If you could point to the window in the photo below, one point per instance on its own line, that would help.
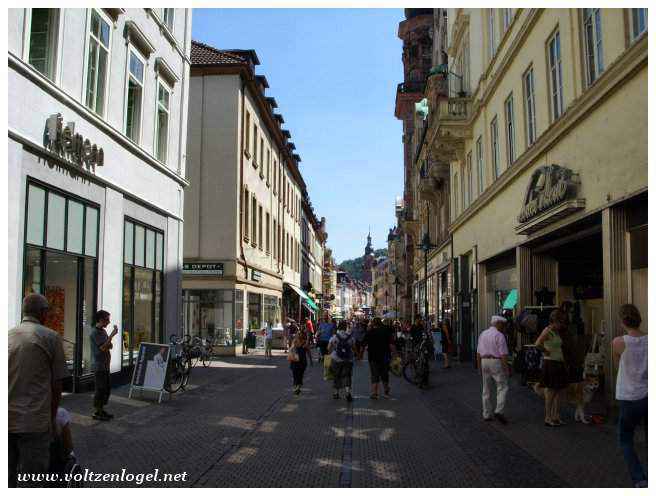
(254, 220)
(134, 96)
(168, 18)
(97, 63)
(208, 313)
(507, 18)
(260, 241)
(638, 22)
(43, 41)
(244, 212)
(275, 177)
(162, 122)
(469, 191)
(455, 195)
(593, 48)
(254, 145)
(555, 76)
(463, 198)
(510, 129)
(143, 266)
(61, 244)
(247, 144)
(494, 140)
(491, 33)
(268, 167)
(529, 106)
(275, 239)
(261, 158)
(268, 233)
(479, 164)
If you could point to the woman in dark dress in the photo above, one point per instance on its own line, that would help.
(447, 345)
(301, 346)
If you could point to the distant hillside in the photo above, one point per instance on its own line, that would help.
(354, 266)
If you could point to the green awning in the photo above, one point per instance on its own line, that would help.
(511, 300)
(312, 304)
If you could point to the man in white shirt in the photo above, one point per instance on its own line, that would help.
(492, 357)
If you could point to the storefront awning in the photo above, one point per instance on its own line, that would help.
(312, 305)
(298, 291)
(309, 302)
(511, 300)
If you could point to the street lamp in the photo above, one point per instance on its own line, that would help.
(386, 301)
(426, 246)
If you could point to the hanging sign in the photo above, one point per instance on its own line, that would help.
(256, 275)
(64, 141)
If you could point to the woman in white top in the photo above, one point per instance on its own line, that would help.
(630, 351)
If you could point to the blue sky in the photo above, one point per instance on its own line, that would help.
(333, 73)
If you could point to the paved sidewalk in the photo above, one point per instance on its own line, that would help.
(239, 425)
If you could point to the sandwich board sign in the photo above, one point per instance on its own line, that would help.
(149, 372)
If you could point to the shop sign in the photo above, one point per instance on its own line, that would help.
(256, 275)
(65, 142)
(202, 269)
(549, 186)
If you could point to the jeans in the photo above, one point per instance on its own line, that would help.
(342, 372)
(103, 388)
(632, 413)
(31, 453)
(492, 370)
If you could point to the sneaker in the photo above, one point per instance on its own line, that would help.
(373, 396)
(501, 418)
(386, 395)
(488, 419)
(349, 398)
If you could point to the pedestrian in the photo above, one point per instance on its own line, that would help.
(299, 350)
(342, 348)
(492, 358)
(268, 339)
(101, 344)
(36, 368)
(325, 332)
(630, 355)
(554, 373)
(447, 344)
(359, 333)
(379, 342)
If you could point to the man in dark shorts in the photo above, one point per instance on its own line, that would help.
(100, 344)
(379, 342)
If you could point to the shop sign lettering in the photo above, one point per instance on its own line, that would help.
(64, 141)
(256, 275)
(549, 186)
(202, 269)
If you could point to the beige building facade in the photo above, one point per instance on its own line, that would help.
(545, 134)
(242, 244)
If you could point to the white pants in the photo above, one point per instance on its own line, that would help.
(492, 370)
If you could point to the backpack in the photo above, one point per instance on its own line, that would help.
(344, 350)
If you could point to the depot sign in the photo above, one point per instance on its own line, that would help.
(65, 142)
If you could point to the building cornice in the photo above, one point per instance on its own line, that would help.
(49, 87)
(624, 68)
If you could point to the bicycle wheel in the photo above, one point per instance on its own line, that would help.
(186, 372)
(175, 377)
(409, 372)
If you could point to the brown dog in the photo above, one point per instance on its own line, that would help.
(578, 393)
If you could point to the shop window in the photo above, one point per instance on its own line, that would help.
(208, 313)
(97, 62)
(142, 288)
(239, 316)
(43, 41)
(59, 266)
(254, 311)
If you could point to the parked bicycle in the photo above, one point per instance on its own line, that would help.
(179, 367)
(417, 358)
(202, 350)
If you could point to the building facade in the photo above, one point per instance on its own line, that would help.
(97, 141)
(244, 208)
(543, 125)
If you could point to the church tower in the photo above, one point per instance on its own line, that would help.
(368, 261)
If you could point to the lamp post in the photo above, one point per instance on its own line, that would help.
(386, 301)
(426, 246)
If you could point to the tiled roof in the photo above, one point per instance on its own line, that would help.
(202, 54)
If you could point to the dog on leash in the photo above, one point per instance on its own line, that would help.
(578, 393)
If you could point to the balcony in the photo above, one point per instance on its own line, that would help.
(452, 128)
(431, 180)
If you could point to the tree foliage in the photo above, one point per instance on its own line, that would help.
(354, 266)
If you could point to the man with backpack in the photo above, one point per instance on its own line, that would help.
(341, 347)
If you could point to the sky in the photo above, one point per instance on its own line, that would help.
(333, 73)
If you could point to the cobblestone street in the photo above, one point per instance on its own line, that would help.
(238, 425)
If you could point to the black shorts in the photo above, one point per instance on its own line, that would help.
(379, 371)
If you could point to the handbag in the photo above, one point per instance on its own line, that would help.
(396, 366)
(327, 370)
(594, 361)
(292, 355)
